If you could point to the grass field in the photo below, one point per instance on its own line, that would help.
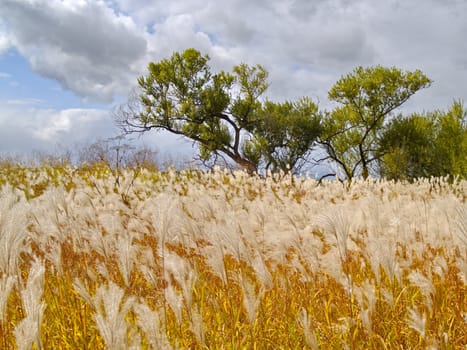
(92, 259)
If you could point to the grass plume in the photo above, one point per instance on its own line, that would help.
(196, 260)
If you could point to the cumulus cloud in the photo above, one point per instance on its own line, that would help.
(431, 41)
(4, 43)
(43, 129)
(98, 48)
(176, 33)
(57, 131)
(84, 45)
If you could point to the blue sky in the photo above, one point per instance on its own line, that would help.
(32, 101)
(20, 85)
(65, 64)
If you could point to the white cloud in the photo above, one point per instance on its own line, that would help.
(177, 33)
(424, 35)
(84, 45)
(25, 129)
(25, 101)
(57, 131)
(5, 43)
(98, 48)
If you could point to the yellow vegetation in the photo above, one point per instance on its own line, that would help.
(198, 260)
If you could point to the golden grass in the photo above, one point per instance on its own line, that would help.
(216, 261)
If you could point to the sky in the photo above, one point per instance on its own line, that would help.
(66, 64)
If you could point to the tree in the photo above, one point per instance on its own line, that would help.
(117, 154)
(425, 145)
(223, 113)
(406, 147)
(368, 97)
(284, 134)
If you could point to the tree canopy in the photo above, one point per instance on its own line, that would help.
(425, 145)
(229, 117)
(367, 97)
(225, 113)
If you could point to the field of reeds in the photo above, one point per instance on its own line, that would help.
(92, 259)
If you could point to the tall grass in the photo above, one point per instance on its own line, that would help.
(181, 260)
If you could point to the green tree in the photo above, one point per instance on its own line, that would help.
(406, 147)
(368, 97)
(284, 134)
(224, 113)
(425, 145)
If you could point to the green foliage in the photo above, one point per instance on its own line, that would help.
(224, 113)
(368, 97)
(425, 145)
(285, 132)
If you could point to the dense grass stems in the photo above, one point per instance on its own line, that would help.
(219, 260)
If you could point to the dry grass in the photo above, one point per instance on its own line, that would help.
(218, 261)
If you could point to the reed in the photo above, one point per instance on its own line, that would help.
(197, 260)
